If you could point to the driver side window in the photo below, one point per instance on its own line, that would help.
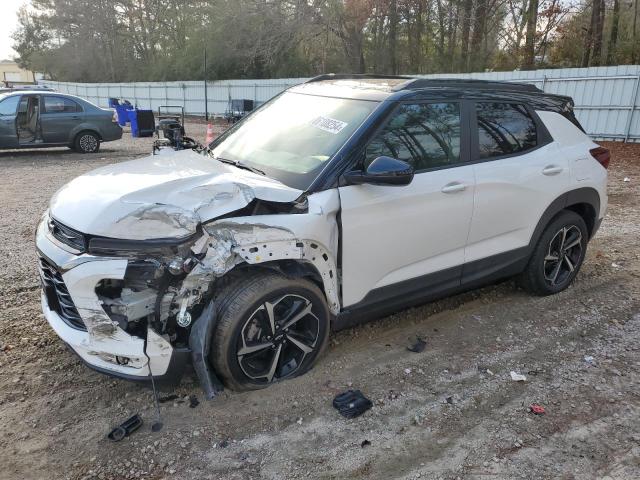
(425, 135)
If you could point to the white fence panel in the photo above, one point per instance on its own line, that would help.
(606, 99)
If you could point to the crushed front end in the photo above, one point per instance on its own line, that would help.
(120, 305)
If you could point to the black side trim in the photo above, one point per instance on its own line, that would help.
(496, 267)
(392, 298)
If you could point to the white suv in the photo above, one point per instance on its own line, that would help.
(343, 198)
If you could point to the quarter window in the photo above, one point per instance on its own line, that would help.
(426, 135)
(504, 129)
(60, 105)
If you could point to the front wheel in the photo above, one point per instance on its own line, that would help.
(558, 256)
(270, 328)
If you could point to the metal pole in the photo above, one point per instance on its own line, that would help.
(206, 96)
(634, 96)
(544, 81)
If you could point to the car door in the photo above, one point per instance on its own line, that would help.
(519, 172)
(8, 133)
(59, 116)
(408, 239)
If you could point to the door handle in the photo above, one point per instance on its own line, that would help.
(551, 170)
(453, 187)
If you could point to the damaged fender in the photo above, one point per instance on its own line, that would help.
(310, 237)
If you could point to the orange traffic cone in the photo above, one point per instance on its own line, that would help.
(209, 134)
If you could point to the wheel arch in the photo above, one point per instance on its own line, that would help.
(583, 201)
(84, 129)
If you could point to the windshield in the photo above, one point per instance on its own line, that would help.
(293, 137)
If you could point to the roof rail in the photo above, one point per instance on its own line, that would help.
(474, 84)
(356, 76)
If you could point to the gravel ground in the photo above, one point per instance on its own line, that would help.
(452, 411)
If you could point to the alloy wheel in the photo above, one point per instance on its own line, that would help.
(563, 255)
(277, 337)
(88, 143)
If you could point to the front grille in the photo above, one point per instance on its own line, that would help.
(67, 235)
(58, 296)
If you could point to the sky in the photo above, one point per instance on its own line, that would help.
(8, 23)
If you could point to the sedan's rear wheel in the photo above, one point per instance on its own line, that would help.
(87, 142)
(270, 328)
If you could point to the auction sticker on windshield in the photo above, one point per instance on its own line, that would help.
(327, 124)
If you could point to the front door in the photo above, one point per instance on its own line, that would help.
(8, 109)
(414, 234)
(59, 117)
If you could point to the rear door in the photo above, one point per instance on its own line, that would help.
(8, 133)
(519, 171)
(403, 240)
(59, 116)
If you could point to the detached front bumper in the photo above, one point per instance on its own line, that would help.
(72, 308)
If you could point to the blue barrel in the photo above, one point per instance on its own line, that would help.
(123, 116)
(133, 118)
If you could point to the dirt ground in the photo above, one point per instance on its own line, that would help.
(436, 414)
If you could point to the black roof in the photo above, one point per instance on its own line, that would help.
(396, 83)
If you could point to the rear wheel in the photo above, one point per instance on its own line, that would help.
(558, 255)
(86, 142)
(270, 328)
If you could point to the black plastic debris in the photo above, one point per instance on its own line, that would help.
(125, 429)
(351, 403)
(168, 398)
(365, 443)
(193, 401)
(418, 346)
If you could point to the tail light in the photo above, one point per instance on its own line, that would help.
(602, 155)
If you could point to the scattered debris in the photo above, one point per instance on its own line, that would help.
(483, 369)
(193, 401)
(168, 398)
(418, 346)
(125, 429)
(223, 444)
(365, 443)
(537, 409)
(626, 179)
(589, 359)
(517, 377)
(299, 421)
(615, 265)
(407, 371)
(351, 403)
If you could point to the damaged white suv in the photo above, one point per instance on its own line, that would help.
(343, 198)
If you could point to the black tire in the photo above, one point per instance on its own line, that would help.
(552, 266)
(86, 142)
(244, 324)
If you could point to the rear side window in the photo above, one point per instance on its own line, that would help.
(425, 135)
(60, 105)
(9, 105)
(504, 129)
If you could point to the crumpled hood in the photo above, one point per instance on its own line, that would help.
(160, 196)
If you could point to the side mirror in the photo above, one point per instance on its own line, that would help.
(382, 171)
